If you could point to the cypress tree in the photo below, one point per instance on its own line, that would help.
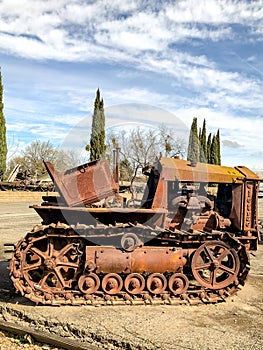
(3, 144)
(102, 132)
(209, 144)
(202, 149)
(193, 144)
(199, 139)
(218, 148)
(214, 151)
(203, 144)
(97, 139)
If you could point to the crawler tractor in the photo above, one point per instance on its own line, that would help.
(187, 241)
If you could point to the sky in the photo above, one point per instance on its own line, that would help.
(186, 58)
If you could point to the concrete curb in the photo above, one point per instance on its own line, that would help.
(20, 196)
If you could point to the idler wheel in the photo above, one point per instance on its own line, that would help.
(134, 283)
(89, 284)
(215, 265)
(178, 283)
(112, 283)
(156, 283)
(130, 241)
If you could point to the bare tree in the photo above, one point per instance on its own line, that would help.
(140, 146)
(31, 158)
(34, 154)
(137, 149)
(171, 145)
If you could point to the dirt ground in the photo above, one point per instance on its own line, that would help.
(235, 324)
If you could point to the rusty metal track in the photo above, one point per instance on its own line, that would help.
(70, 296)
(44, 337)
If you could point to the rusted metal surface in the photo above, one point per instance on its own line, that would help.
(215, 265)
(248, 173)
(250, 202)
(181, 170)
(107, 216)
(86, 184)
(141, 260)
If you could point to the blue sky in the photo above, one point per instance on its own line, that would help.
(190, 58)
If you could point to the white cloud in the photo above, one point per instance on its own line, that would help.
(75, 27)
(215, 12)
(201, 73)
(136, 95)
(169, 39)
(129, 33)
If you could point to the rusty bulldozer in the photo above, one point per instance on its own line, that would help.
(187, 242)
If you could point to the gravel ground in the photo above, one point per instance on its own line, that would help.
(235, 324)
